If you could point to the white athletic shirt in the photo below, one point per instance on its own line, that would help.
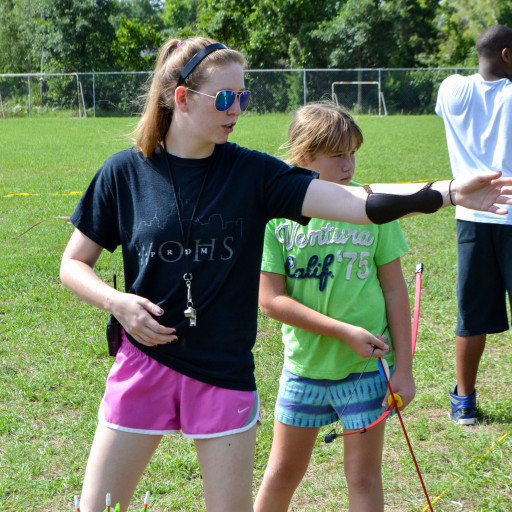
(477, 116)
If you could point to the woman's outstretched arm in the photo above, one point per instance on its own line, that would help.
(389, 201)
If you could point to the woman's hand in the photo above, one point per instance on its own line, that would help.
(136, 314)
(483, 192)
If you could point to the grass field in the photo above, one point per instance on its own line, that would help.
(53, 354)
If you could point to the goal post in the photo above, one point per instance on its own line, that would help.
(41, 91)
(355, 96)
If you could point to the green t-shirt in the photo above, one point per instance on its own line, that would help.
(332, 268)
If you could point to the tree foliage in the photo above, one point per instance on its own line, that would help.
(103, 35)
(13, 46)
(371, 33)
(270, 33)
(461, 22)
(179, 17)
(148, 12)
(136, 45)
(61, 35)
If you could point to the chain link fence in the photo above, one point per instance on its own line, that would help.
(363, 91)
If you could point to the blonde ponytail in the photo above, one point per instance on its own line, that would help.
(159, 100)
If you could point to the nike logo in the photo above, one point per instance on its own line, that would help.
(242, 410)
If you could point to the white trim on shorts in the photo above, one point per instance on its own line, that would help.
(102, 421)
(254, 418)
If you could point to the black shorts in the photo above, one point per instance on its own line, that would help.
(484, 255)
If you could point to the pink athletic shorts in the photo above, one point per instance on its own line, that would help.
(145, 396)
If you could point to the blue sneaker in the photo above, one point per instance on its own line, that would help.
(463, 408)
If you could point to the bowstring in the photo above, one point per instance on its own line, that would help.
(356, 384)
(332, 434)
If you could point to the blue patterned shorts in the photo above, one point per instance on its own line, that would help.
(304, 402)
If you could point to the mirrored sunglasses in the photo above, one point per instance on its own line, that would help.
(225, 99)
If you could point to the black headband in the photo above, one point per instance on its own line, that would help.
(197, 58)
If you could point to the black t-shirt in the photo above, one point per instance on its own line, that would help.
(130, 202)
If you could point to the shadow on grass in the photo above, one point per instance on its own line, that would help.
(498, 415)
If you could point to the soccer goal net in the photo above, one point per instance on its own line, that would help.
(360, 97)
(39, 93)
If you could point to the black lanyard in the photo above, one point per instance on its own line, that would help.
(189, 312)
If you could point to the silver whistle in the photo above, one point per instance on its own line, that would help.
(191, 314)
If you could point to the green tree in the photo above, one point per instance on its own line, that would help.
(146, 11)
(359, 36)
(270, 33)
(373, 33)
(414, 32)
(136, 45)
(180, 17)
(66, 35)
(226, 21)
(86, 34)
(460, 24)
(13, 48)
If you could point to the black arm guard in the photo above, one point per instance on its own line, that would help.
(382, 208)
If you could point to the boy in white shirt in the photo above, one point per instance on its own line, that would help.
(477, 113)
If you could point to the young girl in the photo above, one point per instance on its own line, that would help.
(331, 319)
(189, 211)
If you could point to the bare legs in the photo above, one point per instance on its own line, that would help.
(118, 459)
(227, 467)
(289, 459)
(362, 461)
(116, 463)
(468, 352)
